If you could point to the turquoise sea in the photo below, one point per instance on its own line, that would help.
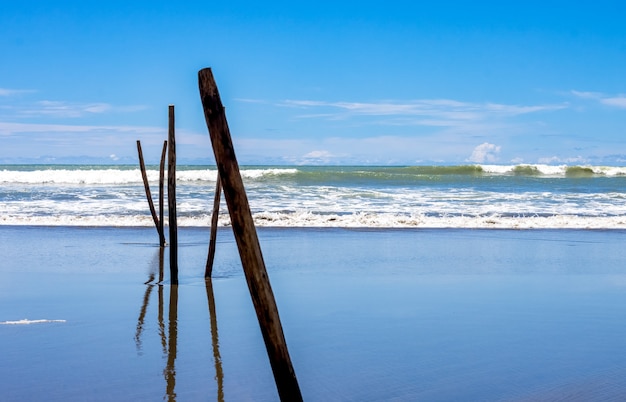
(469, 196)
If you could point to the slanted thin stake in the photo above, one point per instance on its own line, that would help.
(146, 185)
(247, 240)
(214, 219)
(161, 182)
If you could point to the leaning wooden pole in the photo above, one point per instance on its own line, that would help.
(171, 198)
(214, 220)
(146, 186)
(247, 239)
(161, 182)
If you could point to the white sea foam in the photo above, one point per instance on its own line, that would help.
(28, 322)
(359, 220)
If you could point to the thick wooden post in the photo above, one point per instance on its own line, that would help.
(171, 198)
(146, 186)
(214, 220)
(247, 239)
(161, 182)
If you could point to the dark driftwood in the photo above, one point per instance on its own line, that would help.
(146, 186)
(247, 240)
(214, 219)
(161, 182)
(171, 198)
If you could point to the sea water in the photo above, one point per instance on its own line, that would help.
(470, 196)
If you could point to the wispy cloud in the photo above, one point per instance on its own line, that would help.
(11, 92)
(10, 128)
(618, 101)
(438, 112)
(60, 109)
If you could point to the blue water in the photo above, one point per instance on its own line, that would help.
(368, 315)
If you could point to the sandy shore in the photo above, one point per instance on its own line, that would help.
(369, 315)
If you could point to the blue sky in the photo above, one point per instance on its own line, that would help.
(316, 82)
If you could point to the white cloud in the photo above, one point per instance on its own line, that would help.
(618, 101)
(485, 152)
(556, 159)
(319, 157)
(319, 154)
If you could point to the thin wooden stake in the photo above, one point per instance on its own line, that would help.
(161, 182)
(146, 186)
(214, 220)
(247, 239)
(171, 198)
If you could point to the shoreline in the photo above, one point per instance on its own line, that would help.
(267, 220)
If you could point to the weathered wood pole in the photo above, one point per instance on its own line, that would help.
(214, 219)
(247, 239)
(161, 182)
(146, 186)
(171, 198)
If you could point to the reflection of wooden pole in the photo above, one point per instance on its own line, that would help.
(146, 186)
(219, 373)
(214, 219)
(171, 198)
(160, 312)
(161, 182)
(247, 239)
(170, 369)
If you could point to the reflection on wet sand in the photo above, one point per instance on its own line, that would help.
(219, 374)
(170, 369)
(169, 340)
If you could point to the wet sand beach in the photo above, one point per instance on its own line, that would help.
(369, 315)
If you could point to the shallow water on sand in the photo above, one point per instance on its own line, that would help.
(369, 315)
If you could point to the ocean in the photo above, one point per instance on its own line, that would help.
(385, 290)
(469, 196)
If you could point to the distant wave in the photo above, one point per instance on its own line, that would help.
(117, 176)
(551, 170)
(103, 175)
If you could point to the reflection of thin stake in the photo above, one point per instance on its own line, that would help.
(214, 219)
(247, 239)
(219, 373)
(142, 313)
(160, 313)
